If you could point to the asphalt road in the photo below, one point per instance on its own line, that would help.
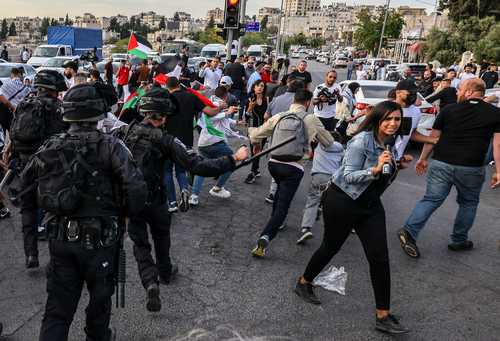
(442, 296)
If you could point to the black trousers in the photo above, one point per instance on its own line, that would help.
(29, 216)
(288, 179)
(342, 214)
(70, 266)
(157, 218)
(329, 123)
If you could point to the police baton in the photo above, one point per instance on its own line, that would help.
(6, 179)
(265, 152)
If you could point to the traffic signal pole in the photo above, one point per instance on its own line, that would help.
(243, 21)
(230, 34)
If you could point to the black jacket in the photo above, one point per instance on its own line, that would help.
(446, 96)
(117, 188)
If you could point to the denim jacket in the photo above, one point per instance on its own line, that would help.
(361, 155)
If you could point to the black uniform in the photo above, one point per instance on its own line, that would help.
(83, 242)
(151, 147)
(23, 148)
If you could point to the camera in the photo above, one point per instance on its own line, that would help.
(331, 97)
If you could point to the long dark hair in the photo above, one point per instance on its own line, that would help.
(254, 85)
(379, 114)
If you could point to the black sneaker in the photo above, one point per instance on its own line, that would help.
(257, 174)
(166, 280)
(305, 235)
(1, 328)
(390, 324)
(32, 262)
(250, 178)
(306, 292)
(4, 213)
(270, 198)
(464, 246)
(408, 244)
(153, 303)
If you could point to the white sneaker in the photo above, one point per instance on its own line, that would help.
(193, 200)
(220, 192)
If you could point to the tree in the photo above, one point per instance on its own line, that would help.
(4, 30)
(264, 22)
(254, 38)
(316, 42)
(53, 22)
(162, 26)
(489, 47)
(114, 26)
(12, 30)
(44, 26)
(369, 29)
(67, 21)
(120, 46)
(459, 9)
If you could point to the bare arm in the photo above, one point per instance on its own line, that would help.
(7, 103)
(422, 162)
(496, 157)
(417, 137)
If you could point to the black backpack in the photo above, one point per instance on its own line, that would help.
(64, 173)
(29, 126)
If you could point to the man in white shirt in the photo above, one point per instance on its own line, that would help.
(13, 90)
(211, 75)
(406, 95)
(70, 71)
(25, 56)
(360, 73)
(452, 75)
(324, 106)
(467, 74)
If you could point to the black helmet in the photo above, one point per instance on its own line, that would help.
(84, 103)
(51, 80)
(158, 101)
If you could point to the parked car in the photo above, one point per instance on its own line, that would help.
(372, 92)
(295, 55)
(57, 63)
(28, 71)
(417, 69)
(118, 57)
(2, 60)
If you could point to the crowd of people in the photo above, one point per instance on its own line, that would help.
(81, 153)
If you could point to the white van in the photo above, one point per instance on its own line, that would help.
(213, 50)
(259, 51)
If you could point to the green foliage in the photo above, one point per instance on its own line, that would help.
(44, 26)
(67, 21)
(369, 29)
(254, 38)
(211, 23)
(459, 9)
(120, 46)
(317, 42)
(12, 30)
(4, 30)
(209, 36)
(482, 36)
(114, 26)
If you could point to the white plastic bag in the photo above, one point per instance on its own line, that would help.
(332, 279)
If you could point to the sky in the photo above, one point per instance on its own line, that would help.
(198, 8)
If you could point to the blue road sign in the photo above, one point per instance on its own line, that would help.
(252, 26)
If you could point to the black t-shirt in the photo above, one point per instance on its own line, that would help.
(237, 72)
(181, 125)
(490, 78)
(446, 96)
(466, 132)
(302, 76)
(258, 112)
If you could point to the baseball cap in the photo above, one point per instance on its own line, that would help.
(226, 80)
(406, 84)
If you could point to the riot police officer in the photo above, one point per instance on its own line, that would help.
(151, 147)
(84, 180)
(36, 118)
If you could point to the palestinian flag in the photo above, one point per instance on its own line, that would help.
(133, 99)
(138, 46)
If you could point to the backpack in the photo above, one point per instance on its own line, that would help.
(290, 124)
(64, 173)
(29, 124)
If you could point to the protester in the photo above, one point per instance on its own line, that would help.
(255, 76)
(425, 85)
(272, 86)
(353, 201)
(237, 73)
(350, 67)
(283, 164)
(4, 54)
(122, 75)
(212, 144)
(467, 73)
(256, 108)
(452, 76)
(361, 73)
(265, 74)
(302, 74)
(12, 92)
(446, 94)
(210, 74)
(143, 71)
(250, 67)
(345, 109)
(70, 71)
(490, 77)
(108, 72)
(464, 132)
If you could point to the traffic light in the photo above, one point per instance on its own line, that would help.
(232, 14)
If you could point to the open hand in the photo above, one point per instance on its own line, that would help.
(495, 180)
(241, 154)
(421, 166)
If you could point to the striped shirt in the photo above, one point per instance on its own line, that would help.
(11, 87)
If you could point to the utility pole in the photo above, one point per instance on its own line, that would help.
(242, 21)
(383, 28)
(278, 35)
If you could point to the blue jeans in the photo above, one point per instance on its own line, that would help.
(349, 74)
(213, 151)
(442, 176)
(168, 180)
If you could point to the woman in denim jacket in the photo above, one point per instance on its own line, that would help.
(353, 201)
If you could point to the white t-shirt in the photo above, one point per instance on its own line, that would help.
(326, 111)
(212, 78)
(466, 76)
(415, 114)
(360, 75)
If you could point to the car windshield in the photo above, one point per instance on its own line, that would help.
(376, 91)
(55, 62)
(45, 51)
(208, 53)
(5, 70)
(254, 53)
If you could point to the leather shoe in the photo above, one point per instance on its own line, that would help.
(32, 262)
(153, 303)
(464, 246)
(306, 292)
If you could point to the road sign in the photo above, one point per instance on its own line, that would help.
(252, 26)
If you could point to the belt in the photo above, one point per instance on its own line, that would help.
(90, 232)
